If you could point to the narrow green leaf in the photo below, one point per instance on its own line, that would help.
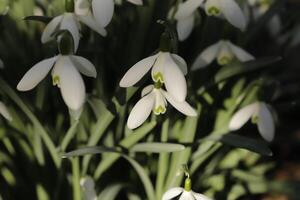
(157, 147)
(90, 150)
(43, 19)
(69, 136)
(111, 192)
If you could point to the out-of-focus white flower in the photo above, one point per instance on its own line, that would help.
(184, 195)
(65, 75)
(260, 114)
(88, 187)
(4, 112)
(166, 68)
(155, 99)
(224, 51)
(219, 8)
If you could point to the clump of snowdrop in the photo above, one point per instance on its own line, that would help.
(88, 187)
(4, 112)
(260, 114)
(228, 9)
(224, 51)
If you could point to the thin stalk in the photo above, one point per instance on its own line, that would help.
(76, 179)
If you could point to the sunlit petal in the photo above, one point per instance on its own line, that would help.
(36, 74)
(233, 13)
(187, 196)
(103, 11)
(51, 28)
(4, 112)
(180, 63)
(137, 71)
(141, 111)
(171, 193)
(187, 8)
(240, 53)
(242, 116)
(90, 21)
(206, 57)
(185, 27)
(265, 123)
(147, 90)
(84, 66)
(70, 23)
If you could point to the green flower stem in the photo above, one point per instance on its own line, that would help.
(76, 179)
(69, 136)
(162, 163)
(44, 135)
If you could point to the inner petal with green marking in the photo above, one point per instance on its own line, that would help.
(56, 80)
(158, 77)
(159, 110)
(254, 119)
(224, 60)
(213, 11)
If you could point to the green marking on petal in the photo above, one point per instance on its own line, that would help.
(188, 184)
(213, 11)
(254, 119)
(56, 80)
(158, 77)
(224, 60)
(159, 110)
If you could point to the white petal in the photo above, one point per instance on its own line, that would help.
(187, 8)
(103, 11)
(84, 66)
(4, 112)
(75, 114)
(213, 7)
(199, 196)
(137, 71)
(70, 23)
(185, 27)
(147, 90)
(175, 82)
(136, 2)
(225, 54)
(158, 67)
(82, 7)
(37, 73)
(88, 187)
(187, 196)
(240, 53)
(242, 116)
(182, 107)
(51, 28)
(90, 21)
(265, 123)
(206, 57)
(180, 62)
(141, 111)
(70, 81)
(233, 13)
(171, 193)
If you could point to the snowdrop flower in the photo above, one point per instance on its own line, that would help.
(88, 186)
(155, 99)
(166, 68)
(65, 75)
(4, 112)
(185, 193)
(219, 8)
(224, 51)
(260, 114)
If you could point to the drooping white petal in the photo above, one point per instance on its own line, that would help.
(136, 2)
(90, 21)
(137, 71)
(51, 28)
(160, 102)
(175, 82)
(187, 196)
(82, 7)
(225, 54)
(180, 62)
(171, 193)
(75, 114)
(206, 57)
(233, 13)
(70, 82)
(103, 11)
(242, 116)
(88, 186)
(70, 23)
(240, 53)
(141, 111)
(212, 7)
(182, 107)
(4, 112)
(147, 90)
(265, 123)
(199, 196)
(36, 74)
(84, 66)
(158, 67)
(187, 8)
(185, 27)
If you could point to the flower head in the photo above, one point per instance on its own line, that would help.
(155, 99)
(4, 112)
(88, 186)
(224, 51)
(166, 68)
(65, 75)
(260, 114)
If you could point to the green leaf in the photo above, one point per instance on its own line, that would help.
(157, 147)
(43, 19)
(111, 192)
(68, 137)
(257, 146)
(90, 150)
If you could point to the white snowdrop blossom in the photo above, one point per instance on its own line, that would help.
(66, 71)
(155, 99)
(224, 51)
(167, 68)
(88, 187)
(227, 9)
(4, 112)
(260, 114)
